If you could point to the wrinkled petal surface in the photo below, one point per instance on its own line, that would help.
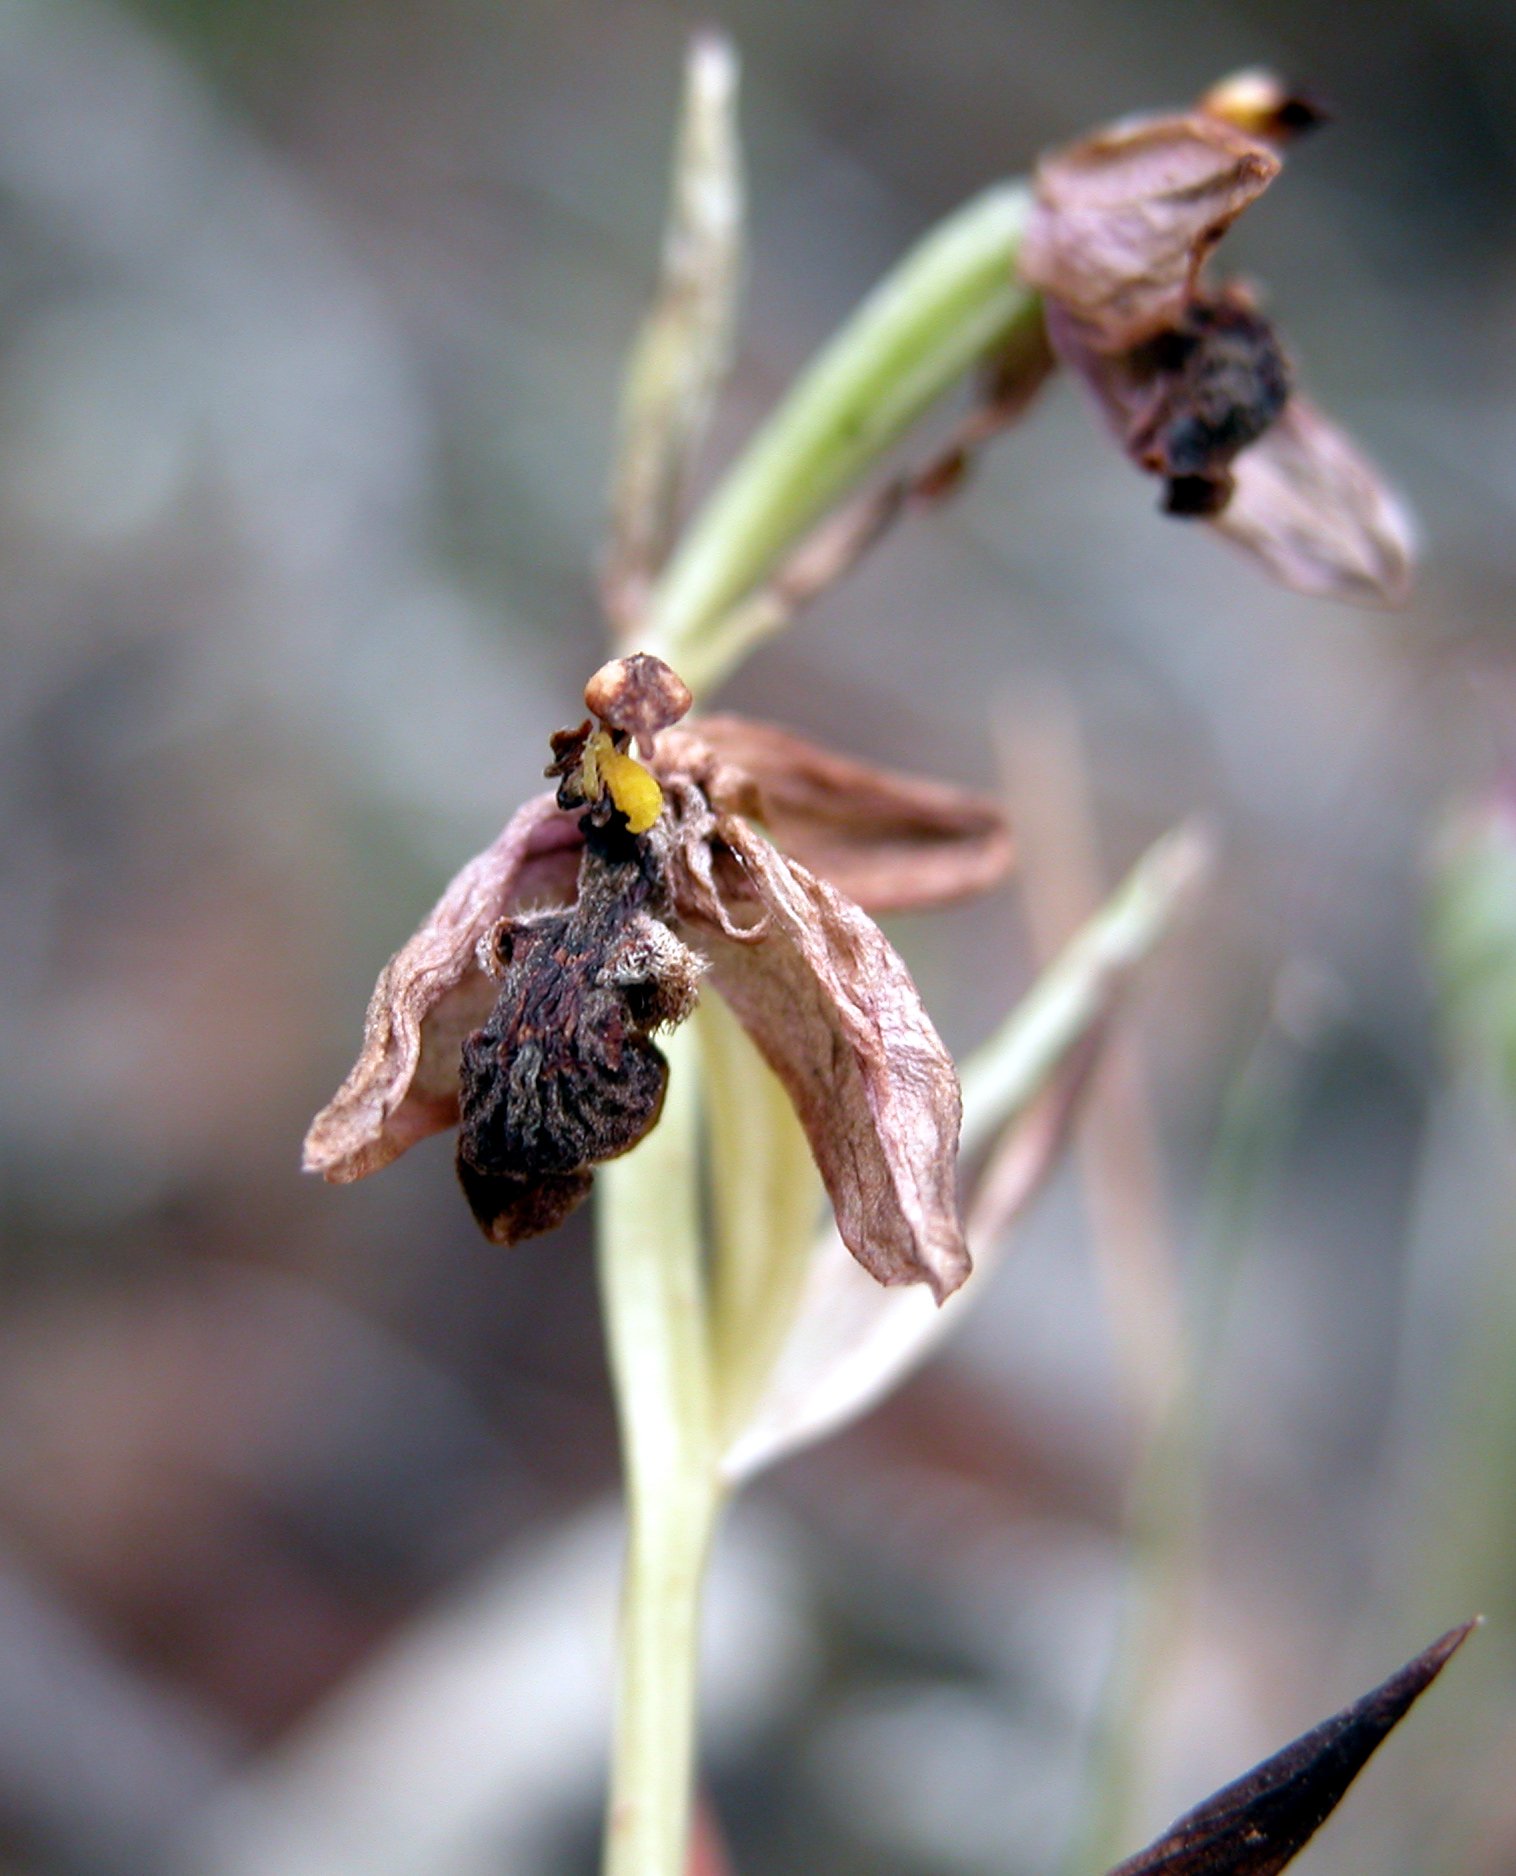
(1124, 218)
(432, 993)
(890, 842)
(1316, 513)
(833, 1011)
(1121, 387)
(849, 1342)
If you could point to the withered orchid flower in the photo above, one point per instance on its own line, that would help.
(524, 1008)
(1190, 375)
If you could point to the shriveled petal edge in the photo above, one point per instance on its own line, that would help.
(890, 841)
(833, 1010)
(849, 1343)
(1123, 220)
(1309, 505)
(404, 1084)
(1109, 377)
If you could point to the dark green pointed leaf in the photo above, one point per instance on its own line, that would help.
(1259, 1824)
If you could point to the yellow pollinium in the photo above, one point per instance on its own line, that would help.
(633, 790)
(606, 770)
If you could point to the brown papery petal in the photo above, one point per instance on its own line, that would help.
(833, 1011)
(1317, 514)
(404, 1084)
(1120, 383)
(1123, 220)
(849, 1342)
(890, 842)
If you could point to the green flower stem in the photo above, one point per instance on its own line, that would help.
(766, 1200)
(953, 299)
(653, 1299)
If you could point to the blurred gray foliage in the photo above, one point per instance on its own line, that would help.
(308, 363)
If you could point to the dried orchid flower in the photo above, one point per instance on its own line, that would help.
(1189, 373)
(525, 1008)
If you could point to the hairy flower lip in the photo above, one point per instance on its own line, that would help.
(1121, 228)
(824, 996)
(404, 1085)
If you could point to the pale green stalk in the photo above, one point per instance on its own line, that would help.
(766, 1197)
(652, 1290)
(952, 301)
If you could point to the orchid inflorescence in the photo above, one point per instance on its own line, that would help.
(679, 856)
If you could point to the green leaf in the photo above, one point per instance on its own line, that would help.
(954, 300)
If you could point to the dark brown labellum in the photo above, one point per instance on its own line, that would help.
(1219, 380)
(564, 1074)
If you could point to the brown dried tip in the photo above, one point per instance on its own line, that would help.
(1261, 1823)
(1262, 105)
(639, 696)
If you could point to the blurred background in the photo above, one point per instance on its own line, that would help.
(311, 326)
